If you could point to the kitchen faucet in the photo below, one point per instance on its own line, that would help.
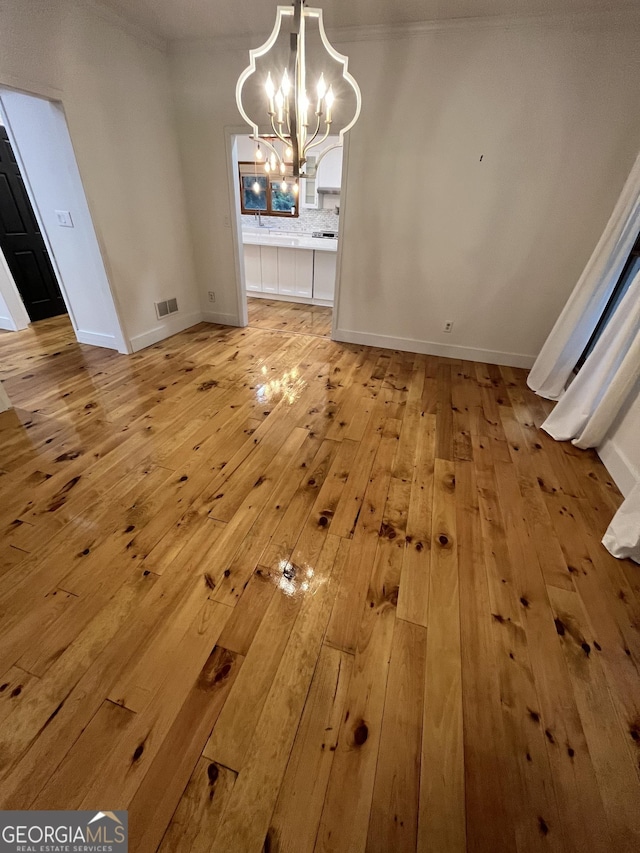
(258, 218)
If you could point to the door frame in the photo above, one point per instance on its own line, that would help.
(6, 268)
(235, 215)
(231, 132)
(18, 315)
(123, 344)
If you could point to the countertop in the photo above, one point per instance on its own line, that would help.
(287, 240)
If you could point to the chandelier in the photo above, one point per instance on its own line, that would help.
(288, 119)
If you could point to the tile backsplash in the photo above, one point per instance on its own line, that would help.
(308, 221)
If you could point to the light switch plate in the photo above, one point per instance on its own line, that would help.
(64, 218)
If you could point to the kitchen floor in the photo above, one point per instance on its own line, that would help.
(272, 592)
(292, 317)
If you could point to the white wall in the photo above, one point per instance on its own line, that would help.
(620, 450)
(431, 232)
(115, 91)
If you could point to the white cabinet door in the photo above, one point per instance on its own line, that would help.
(330, 169)
(269, 265)
(286, 272)
(324, 275)
(304, 272)
(252, 268)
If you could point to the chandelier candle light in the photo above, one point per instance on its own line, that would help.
(292, 119)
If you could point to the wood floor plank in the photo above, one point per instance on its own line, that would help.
(342, 632)
(441, 822)
(61, 703)
(612, 751)
(132, 756)
(413, 597)
(231, 737)
(65, 789)
(487, 762)
(274, 592)
(156, 799)
(197, 818)
(583, 819)
(345, 816)
(296, 817)
(393, 822)
(256, 788)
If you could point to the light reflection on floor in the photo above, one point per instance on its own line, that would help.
(294, 580)
(289, 386)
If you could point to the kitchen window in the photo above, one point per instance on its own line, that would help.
(271, 199)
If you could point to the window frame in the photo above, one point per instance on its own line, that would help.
(258, 173)
(612, 303)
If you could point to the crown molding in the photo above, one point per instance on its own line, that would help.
(135, 30)
(391, 32)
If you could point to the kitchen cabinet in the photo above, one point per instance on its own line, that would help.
(324, 275)
(269, 264)
(252, 268)
(290, 273)
(330, 170)
(295, 272)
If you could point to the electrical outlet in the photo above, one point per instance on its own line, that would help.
(227, 221)
(448, 326)
(212, 296)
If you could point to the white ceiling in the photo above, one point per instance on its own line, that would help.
(177, 19)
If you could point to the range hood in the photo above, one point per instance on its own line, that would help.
(328, 190)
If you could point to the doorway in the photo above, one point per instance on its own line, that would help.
(288, 241)
(36, 127)
(22, 243)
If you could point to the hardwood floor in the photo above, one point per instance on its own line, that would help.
(274, 593)
(289, 317)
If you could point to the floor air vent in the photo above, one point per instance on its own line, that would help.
(169, 306)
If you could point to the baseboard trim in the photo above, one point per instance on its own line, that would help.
(96, 339)
(299, 300)
(508, 359)
(7, 324)
(220, 319)
(624, 475)
(172, 326)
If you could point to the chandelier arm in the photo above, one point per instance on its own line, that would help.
(308, 143)
(278, 134)
(321, 140)
(324, 153)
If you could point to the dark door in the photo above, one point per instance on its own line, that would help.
(22, 242)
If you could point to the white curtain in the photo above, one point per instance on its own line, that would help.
(591, 403)
(622, 538)
(586, 304)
